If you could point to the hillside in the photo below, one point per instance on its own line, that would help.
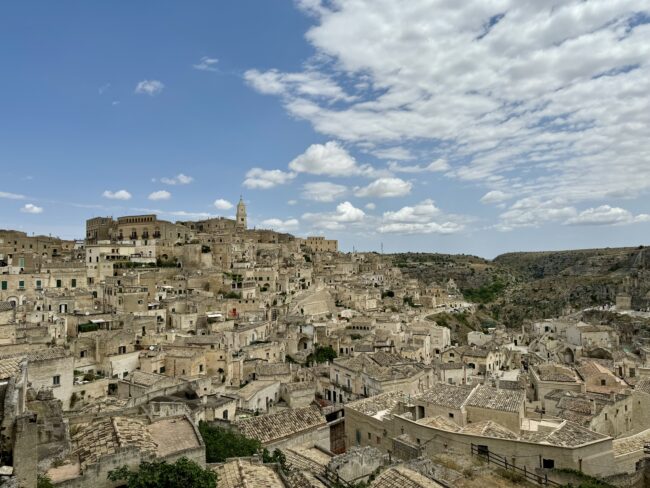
(518, 286)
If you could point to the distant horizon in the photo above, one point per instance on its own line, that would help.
(359, 250)
(486, 128)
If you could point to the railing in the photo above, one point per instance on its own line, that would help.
(484, 453)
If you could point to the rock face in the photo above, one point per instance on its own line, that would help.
(518, 286)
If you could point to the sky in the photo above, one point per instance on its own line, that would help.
(480, 127)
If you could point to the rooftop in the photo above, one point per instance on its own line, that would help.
(243, 473)
(446, 395)
(496, 399)
(270, 428)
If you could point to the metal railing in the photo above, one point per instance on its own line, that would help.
(491, 457)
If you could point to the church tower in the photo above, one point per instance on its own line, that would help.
(241, 214)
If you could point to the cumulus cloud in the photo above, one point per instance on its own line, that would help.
(280, 225)
(534, 211)
(422, 212)
(160, 195)
(149, 87)
(117, 195)
(179, 179)
(439, 165)
(267, 178)
(345, 213)
(323, 191)
(422, 218)
(32, 209)
(11, 196)
(606, 215)
(222, 204)
(206, 63)
(329, 159)
(512, 94)
(371, 206)
(385, 188)
(494, 196)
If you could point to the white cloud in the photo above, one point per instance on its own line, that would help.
(206, 63)
(422, 218)
(385, 188)
(345, 213)
(323, 191)
(513, 94)
(222, 204)
(292, 202)
(329, 159)
(11, 196)
(371, 206)
(606, 215)
(266, 178)
(102, 89)
(421, 228)
(439, 165)
(534, 211)
(149, 87)
(494, 196)
(32, 209)
(422, 212)
(310, 84)
(160, 195)
(280, 225)
(117, 195)
(397, 153)
(179, 179)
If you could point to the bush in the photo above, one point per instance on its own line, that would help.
(277, 457)
(221, 443)
(160, 474)
(44, 482)
(322, 354)
(511, 475)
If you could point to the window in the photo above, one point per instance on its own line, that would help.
(74, 283)
(39, 284)
(58, 283)
(83, 354)
(602, 382)
(4, 285)
(56, 380)
(225, 414)
(200, 368)
(369, 436)
(451, 415)
(21, 262)
(548, 463)
(161, 370)
(121, 350)
(21, 285)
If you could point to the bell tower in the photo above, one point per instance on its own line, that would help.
(241, 214)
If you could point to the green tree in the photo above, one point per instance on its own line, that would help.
(277, 457)
(221, 443)
(322, 354)
(160, 474)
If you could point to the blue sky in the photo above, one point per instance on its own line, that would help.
(481, 128)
